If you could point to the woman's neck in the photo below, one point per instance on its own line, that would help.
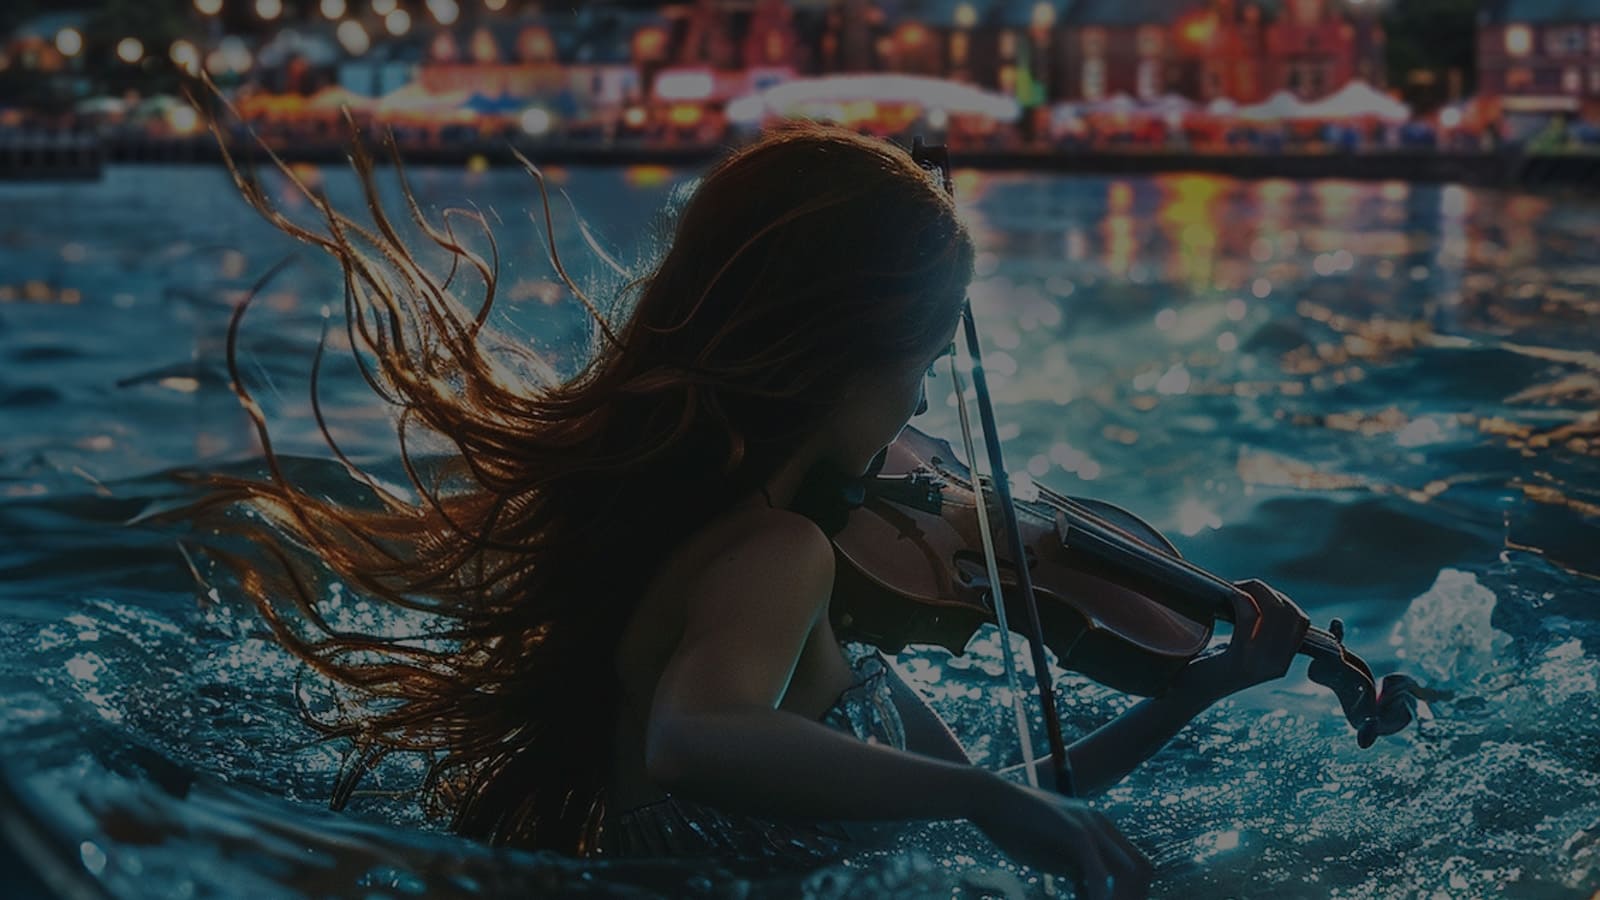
(784, 484)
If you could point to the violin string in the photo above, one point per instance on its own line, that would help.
(1318, 639)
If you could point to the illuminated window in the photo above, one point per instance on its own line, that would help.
(1149, 85)
(1044, 15)
(1150, 39)
(1519, 40)
(958, 48)
(1519, 79)
(1008, 45)
(1571, 80)
(1094, 42)
(534, 45)
(444, 47)
(1094, 79)
(484, 48)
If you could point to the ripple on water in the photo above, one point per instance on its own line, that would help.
(1381, 425)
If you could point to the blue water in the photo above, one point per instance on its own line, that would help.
(1380, 397)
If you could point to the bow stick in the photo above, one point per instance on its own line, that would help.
(937, 158)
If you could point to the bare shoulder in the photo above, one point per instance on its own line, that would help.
(749, 610)
(782, 553)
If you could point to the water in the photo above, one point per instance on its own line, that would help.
(1379, 397)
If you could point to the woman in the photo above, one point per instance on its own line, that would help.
(633, 573)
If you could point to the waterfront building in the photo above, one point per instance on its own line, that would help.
(580, 66)
(1540, 57)
(849, 36)
(41, 60)
(706, 36)
(770, 38)
(1243, 50)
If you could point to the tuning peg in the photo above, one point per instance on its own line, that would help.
(1396, 706)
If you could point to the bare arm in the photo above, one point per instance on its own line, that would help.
(1267, 633)
(715, 733)
(1106, 755)
(926, 731)
(1100, 759)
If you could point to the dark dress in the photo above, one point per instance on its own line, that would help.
(677, 827)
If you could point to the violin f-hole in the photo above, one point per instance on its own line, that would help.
(973, 570)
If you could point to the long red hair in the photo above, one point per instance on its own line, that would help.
(796, 261)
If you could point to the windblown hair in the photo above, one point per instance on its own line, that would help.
(800, 260)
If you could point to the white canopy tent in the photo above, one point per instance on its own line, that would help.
(931, 94)
(1281, 105)
(1357, 100)
(414, 99)
(1170, 104)
(1116, 104)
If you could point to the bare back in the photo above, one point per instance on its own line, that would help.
(655, 628)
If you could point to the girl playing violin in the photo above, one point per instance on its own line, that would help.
(637, 657)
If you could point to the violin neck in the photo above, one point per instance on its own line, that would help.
(1320, 643)
(1084, 532)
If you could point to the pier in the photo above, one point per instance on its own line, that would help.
(39, 156)
(63, 156)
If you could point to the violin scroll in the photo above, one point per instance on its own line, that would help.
(1119, 603)
(1373, 708)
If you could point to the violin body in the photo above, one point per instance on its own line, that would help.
(1101, 588)
(1115, 599)
(932, 552)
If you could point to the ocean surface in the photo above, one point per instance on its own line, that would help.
(1382, 398)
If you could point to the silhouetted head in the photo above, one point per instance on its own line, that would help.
(811, 278)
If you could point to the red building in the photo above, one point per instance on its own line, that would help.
(1313, 48)
(1540, 56)
(770, 38)
(1204, 49)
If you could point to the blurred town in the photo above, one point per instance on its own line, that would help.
(1039, 79)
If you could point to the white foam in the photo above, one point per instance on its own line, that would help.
(1446, 634)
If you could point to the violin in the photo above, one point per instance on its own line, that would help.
(1115, 599)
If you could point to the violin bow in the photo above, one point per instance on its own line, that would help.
(937, 159)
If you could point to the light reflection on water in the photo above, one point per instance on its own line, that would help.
(1380, 397)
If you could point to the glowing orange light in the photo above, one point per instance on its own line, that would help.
(534, 44)
(1120, 197)
(646, 176)
(913, 34)
(1199, 30)
(649, 43)
(685, 114)
(444, 47)
(1519, 40)
(484, 49)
